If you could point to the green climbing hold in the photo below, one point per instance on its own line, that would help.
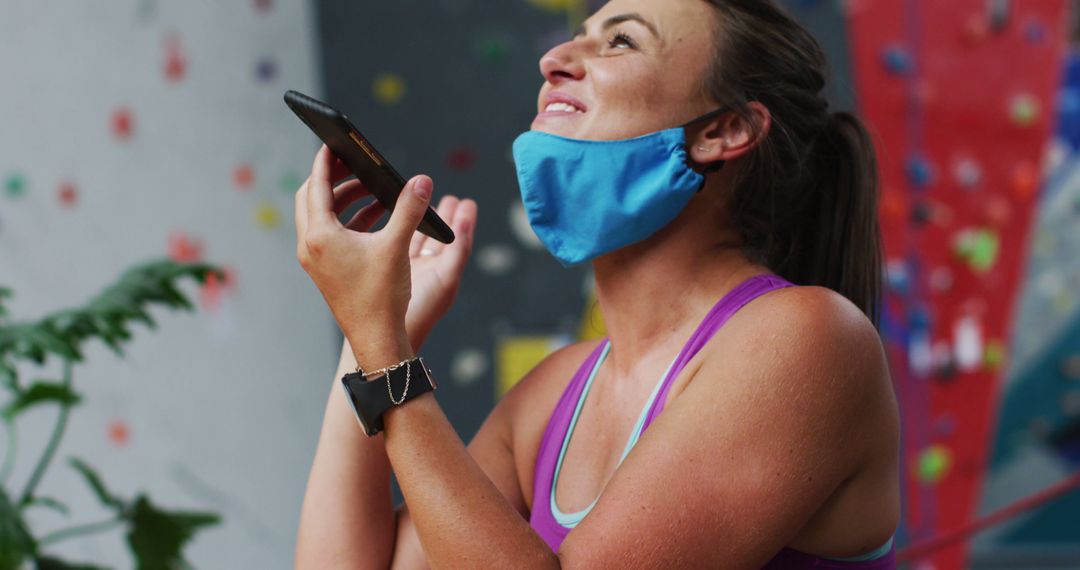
(933, 464)
(492, 49)
(290, 182)
(15, 186)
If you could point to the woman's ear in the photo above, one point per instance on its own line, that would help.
(729, 136)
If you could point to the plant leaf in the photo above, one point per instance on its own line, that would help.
(39, 393)
(16, 544)
(51, 563)
(157, 537)
(48, 502)
(95, 483)
(107, 316)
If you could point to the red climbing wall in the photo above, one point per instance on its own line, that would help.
(960, 96)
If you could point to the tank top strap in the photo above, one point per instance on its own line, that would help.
(541, 518)
(727, 306)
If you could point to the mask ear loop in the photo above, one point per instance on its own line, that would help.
(714, 166)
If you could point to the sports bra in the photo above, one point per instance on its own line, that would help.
(552, 524)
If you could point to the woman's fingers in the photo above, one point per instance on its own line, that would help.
(409, 210)
(366, 217)
(320, 195)
(422, 244)
(348, 192)
(338, 170)
(464, 224)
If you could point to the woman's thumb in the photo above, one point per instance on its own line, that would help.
(410, 207)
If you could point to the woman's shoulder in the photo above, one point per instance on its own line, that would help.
(810, 344)
(808, 315)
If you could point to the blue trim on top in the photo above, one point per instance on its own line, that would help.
(570, 520)
(874, 555)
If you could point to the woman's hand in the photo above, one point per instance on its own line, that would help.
(367, 279)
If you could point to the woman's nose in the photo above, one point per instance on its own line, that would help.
(563, 62)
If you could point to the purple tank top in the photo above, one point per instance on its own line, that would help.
(541, 518)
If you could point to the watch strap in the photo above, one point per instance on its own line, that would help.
(371, 398)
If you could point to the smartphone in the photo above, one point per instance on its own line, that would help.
(357, 153)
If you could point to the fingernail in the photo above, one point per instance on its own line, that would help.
(423, 188)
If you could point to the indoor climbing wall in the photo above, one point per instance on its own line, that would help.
(139, 129)
(961, 97)
(1037, 439)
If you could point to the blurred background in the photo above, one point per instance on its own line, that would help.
(143, 129)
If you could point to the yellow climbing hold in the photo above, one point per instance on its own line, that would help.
(268, 216)
(389, 88)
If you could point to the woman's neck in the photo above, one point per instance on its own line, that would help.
(654, 293)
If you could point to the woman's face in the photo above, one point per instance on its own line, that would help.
(636, 67)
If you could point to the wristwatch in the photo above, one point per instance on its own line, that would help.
(372, 393)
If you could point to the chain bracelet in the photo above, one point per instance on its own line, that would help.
(408, 374)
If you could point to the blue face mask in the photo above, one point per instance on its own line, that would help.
(587, 198)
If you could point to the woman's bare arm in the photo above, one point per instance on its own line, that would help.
(347, 519)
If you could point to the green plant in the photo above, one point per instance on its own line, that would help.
(156, 536)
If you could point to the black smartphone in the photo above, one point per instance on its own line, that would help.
(357, 153)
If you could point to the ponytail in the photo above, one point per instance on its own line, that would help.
(805, 200)
(838, 244)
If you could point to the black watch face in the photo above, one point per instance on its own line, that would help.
(356, 411)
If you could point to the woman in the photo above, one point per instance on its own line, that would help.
(770, 440)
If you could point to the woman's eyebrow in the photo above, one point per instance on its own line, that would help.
(616, 20)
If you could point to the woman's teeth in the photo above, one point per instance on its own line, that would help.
(562, 107)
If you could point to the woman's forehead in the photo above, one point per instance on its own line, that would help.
(668, 11)
(671, 19)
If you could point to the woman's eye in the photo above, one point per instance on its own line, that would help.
(621, 40)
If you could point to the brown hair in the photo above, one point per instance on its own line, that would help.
(805, 199)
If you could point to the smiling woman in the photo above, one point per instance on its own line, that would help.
(684, 149)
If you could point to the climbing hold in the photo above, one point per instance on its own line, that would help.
(266, 70)
(183, 248)
(1025, 180)
(461, 158)
(468, 366)
(933, 464)
(122, 123)
(492, 49)
(967, 173)
(941, 279)
(243, 176)
(119, 433)
(945, 425)
(1035, 32)
(496, 259)
(944, 363)
(921, 213)
(1024, 110)
(897, 277)
(994, 357)
(175, 60)
(15, 185)
(897, 59)
(893, 205)
(968, 341)
(267, 216)
(920, 172)
(389, 88)
(291, 181)
(978, 247)
(67, 194)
